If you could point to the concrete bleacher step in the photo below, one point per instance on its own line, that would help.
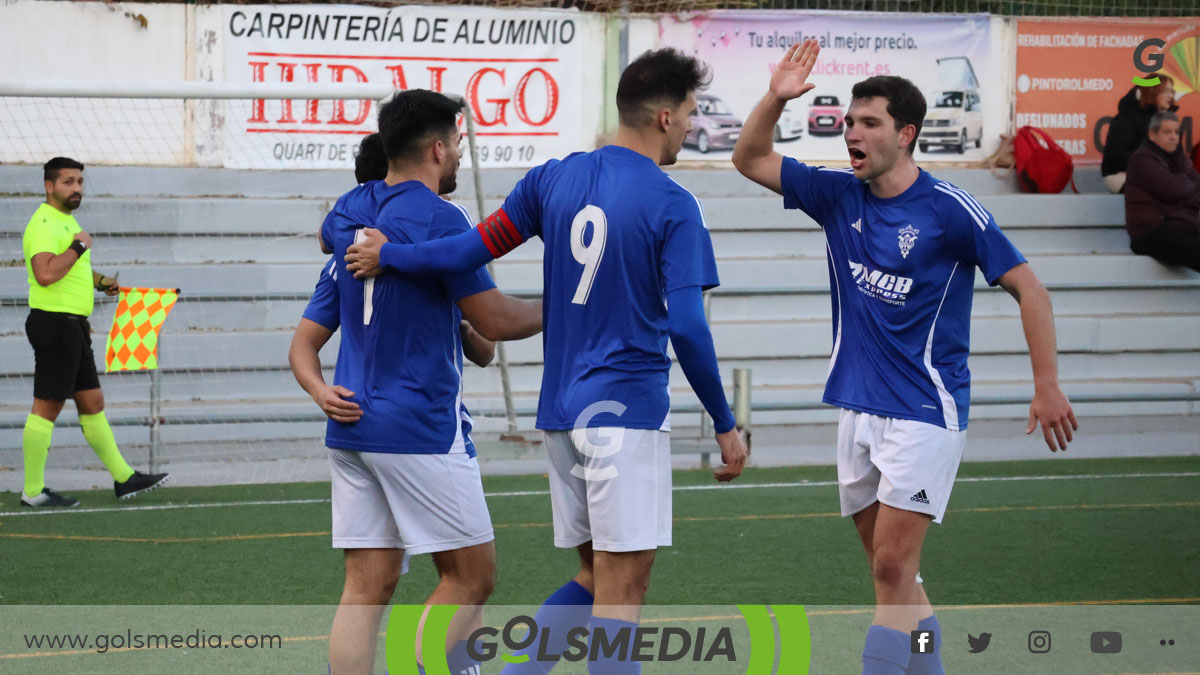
(1096, 334)
(769, 375)
(527, 275)
(224, 215)
(281, 311)
(116, 251)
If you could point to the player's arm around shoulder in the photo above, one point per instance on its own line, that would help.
(1050, 407)
(478, 349)
(754, 154)
(497, 316)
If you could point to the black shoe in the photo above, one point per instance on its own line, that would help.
(138, 483)
(48, 497)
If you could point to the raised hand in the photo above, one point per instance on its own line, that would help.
(790, 79)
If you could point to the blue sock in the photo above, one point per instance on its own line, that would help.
(460, 662)
(614, 664)
(568, 607)
(887, 651)
(928, 664)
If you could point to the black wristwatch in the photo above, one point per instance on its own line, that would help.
(79, 247)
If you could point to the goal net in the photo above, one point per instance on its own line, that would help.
(241, 247)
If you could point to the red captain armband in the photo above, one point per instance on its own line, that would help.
(499, 234)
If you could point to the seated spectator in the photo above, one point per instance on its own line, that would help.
(1162, 197)
(1128, 129)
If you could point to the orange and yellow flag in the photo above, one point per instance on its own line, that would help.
(133, 340)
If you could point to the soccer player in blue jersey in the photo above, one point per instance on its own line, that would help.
(404, 474)
(903, 247)
(627, 256)
(370, 165)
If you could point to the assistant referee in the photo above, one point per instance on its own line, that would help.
(58, 259)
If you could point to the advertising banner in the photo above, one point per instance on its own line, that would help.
(1072, 73)
(518, 70)
(946, 57)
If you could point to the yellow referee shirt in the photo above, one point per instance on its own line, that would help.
(52, 231)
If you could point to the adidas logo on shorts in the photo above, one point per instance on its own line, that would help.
(920, 498)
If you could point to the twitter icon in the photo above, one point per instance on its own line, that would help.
(980, 643)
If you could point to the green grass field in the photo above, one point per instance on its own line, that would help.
(1003, 541)
(1028, 534)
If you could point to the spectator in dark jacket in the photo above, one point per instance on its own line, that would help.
(1128, 129)
(1162, 197)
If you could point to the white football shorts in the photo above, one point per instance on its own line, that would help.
(905, 464)
(610, 486)
(420, 503)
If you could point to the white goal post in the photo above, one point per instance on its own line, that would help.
(228, 418)
(209, 124)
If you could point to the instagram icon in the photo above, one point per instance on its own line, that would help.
(1039, 641)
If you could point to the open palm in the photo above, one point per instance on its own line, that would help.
(790, 79)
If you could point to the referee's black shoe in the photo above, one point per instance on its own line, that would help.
(138, 483)
(49, 498)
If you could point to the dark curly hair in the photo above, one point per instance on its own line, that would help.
(664, 76)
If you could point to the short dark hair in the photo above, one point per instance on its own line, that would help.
(370, 162)
(657, 77)
(411, 117)
(906, 104)
(50, 169)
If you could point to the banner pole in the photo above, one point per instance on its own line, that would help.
(155, 409)
(510, 413)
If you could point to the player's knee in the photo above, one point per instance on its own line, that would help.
(365, 594)
(891, 569)
(486, 586)
(473, 585)
(370, 579)
(477, 588)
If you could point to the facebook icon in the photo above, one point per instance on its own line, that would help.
(922, 641)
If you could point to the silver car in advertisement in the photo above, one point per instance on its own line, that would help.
(713, 125)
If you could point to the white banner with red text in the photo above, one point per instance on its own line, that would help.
(518, 70)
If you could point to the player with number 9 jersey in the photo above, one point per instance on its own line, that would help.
(620, 235)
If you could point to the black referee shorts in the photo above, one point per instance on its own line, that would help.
(62, 354)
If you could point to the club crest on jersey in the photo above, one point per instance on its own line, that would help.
(908, 239)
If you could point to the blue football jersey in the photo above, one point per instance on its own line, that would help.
(323, 307)
(619, 235)
(902, 274)
(352, 211)
(401, 350)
